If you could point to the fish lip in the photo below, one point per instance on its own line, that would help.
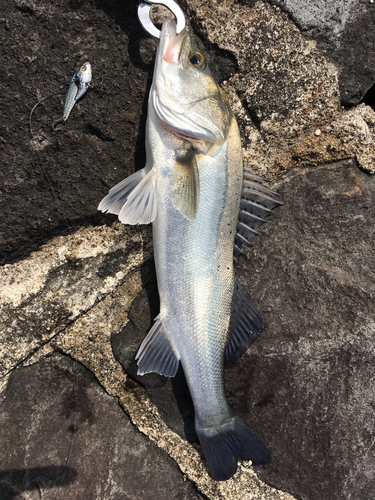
(181, 54)
(171, 44)
(167, 36)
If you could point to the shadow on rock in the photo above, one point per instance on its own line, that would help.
(16, 481)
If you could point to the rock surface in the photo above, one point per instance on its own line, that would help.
(307, 385)
(80, 444)
(286, 95)
(89, 293)
(343, 30)
(312, 275)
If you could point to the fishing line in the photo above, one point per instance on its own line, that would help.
(49, 183)
(37, 104)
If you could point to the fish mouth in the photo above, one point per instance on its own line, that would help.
(171, 44)
(176, 108)
(174, 50)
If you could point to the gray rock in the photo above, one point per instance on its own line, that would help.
(307, 386)
(52, 184)
(344, 30)
(62, 436)
(42, 295)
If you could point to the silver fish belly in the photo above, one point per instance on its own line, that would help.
(191, 189)
(194, 262)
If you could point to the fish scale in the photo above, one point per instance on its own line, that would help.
(205, 243)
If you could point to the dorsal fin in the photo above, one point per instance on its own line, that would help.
(257, 202)
(246, 324)
(156, 353)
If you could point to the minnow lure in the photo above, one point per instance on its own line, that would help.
(77, 88)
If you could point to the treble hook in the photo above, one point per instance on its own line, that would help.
(144, 15)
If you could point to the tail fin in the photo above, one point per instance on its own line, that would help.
(223, 449)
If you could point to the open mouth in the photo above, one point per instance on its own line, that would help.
(173, 54)
(173, 44)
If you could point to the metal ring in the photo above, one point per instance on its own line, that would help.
(144, 15)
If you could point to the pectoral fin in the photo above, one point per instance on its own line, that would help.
(186, 185)
(156, 353)
(246, 324)
(133, 199)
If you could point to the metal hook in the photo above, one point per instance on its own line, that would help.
(144, 15)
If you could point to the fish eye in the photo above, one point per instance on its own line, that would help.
(83, 68)
(197, 60)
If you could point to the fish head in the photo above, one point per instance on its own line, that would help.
(83, 74)
(184, 93)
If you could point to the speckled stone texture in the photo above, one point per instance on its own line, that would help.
(307, 385)
(344, 30)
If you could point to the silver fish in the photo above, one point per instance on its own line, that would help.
(191, 190)
(78, 86)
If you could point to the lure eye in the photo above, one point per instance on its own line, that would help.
(197, 60)
(83, 68)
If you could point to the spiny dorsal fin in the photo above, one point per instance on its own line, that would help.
(246, 324)
(186, 185)
(257, 202)
(156, 353)
(132, 199)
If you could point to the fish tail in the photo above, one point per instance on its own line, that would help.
(233, 441)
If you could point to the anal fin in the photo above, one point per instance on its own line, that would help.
(156, 353)
(245, 327)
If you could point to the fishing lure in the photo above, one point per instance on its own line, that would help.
(77, 88)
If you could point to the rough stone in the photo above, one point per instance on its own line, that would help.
(41, 295)
(284, 90)
(276, 68)
(80, 444)
(87, 338)
(51, 182)
(344, 30)
(307, 386)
